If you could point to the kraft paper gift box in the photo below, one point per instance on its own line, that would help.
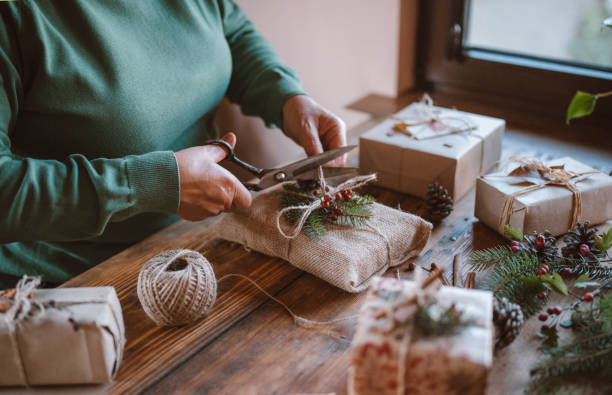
(400, 361)
(76, 338)
(547, 207)
(409, 164)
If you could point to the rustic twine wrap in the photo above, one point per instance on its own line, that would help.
(59, 336)
(347, 257)
(178, 287)
(549, 176)
(389, 356)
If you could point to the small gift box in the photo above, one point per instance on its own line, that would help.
(533, 196)
(59, 336)
(422, 144)
(415, 340)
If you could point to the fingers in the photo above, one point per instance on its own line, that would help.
(242, 197)
(217, 153)
(310, 140)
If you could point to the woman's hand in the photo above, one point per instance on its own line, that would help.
(207, 189)
(313, 127)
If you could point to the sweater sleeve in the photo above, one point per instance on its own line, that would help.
(74, 198)
(260, 82)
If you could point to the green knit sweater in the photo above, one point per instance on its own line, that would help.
(94, 98)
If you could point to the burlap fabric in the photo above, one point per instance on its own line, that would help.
(347, 257)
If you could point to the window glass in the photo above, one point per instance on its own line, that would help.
(570, 31)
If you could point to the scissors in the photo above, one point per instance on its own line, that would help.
(305, 169)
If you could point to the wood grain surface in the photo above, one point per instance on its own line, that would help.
(250, 345)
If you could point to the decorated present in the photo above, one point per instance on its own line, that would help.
(345, 240)
(413, 338)
(533, 196)
(59, 336)
(422, 144)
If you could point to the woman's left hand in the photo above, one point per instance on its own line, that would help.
(313, 127)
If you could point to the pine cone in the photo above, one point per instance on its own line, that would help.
(577, 236)
(439, 202)
(508, 319)
(546, 251)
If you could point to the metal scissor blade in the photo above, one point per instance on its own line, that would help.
(293, 170)
(329, 173)
(304, 165)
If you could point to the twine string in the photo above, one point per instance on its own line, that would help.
(551, 176)
(307, 209)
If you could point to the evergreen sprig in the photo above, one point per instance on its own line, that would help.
(356, 211)
(447, 322)
(589, 352)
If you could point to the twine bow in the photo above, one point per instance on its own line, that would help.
(540, 176)
(427, 114)
(354, 182)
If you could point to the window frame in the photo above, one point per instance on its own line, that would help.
(529, 84)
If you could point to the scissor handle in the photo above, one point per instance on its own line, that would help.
(231, 156)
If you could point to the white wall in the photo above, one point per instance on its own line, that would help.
(341, 49)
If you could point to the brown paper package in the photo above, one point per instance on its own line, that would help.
(53, 350)
(347, 257)
(548, 208)
(456, 161)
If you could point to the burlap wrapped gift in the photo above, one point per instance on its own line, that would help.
(389, 356)
(347, 257)
(409, 164)
(60, 336)
(538, 202)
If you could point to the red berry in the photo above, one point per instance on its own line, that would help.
(325, 204)
(545, 268)
(347, 198)
(514, 243)
(326, 188)
(543, 317)
(316, 192)
(338, 196)
(544, 327)
(550, 310)
(411, 267)
(567, 271)
(587, 297)
(540, 240)
(334, 217)
(557, 310)
(327, 197)
(541, 295)
(540, 272)
(339, 211)
(585, 250)
(516, 248)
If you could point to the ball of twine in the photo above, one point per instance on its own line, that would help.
(177, 287)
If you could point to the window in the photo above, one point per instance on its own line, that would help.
(528, 55)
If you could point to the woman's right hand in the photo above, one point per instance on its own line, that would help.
(207, 189)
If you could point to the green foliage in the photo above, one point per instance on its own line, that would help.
(481, 260)
(590, 351)
(512, 275)
(356, 212)
(604, 241)
(583, 282)
(435, 323)
(514, 233)
(582, 104)
(556, 282)
(550, 336)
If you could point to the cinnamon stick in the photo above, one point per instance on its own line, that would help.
(436, 272)
(470, 279)
(456, 264)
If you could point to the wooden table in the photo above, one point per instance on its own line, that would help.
(249, 344)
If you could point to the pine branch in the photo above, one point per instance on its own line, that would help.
(483, 259)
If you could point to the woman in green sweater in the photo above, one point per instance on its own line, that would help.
(103, 108)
